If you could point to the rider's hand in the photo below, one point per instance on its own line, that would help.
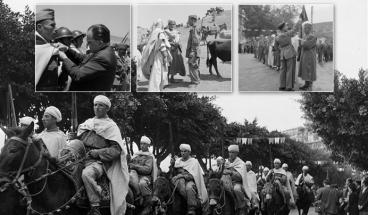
(72, 135)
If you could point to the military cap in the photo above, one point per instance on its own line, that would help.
(171, 22)
(193, 17)
(45, 14)
(77, 33)
(62, 32)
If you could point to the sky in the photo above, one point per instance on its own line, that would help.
(275, 110)
(147, 13)
(115, 17)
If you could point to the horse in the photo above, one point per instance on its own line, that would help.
(47, 193)
(166, 199)
(221, 200)
(273, 201)
(11, 200)
(305, 198)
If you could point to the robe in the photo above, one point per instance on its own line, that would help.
(117, 173)
(194, 168)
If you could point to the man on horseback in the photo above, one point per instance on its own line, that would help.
(238, 183)
(143, 171)
(305, 177)
(278, 176)
(190, 181)
(252, 183)
(304, 184)
(54, 139)
(219, 161)
(291, 180)
(104, 145)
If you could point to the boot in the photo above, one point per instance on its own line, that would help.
(306, 86)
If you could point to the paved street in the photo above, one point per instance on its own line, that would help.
(310, 212)
(255, 76)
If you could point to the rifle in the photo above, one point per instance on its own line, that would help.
(74, 112)
(125, 38)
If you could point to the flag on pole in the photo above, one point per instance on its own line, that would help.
(303, 15)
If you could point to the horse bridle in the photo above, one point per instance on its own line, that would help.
(12, 177)
(218, 208)
(163, 205)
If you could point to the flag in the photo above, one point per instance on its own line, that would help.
(303, 15)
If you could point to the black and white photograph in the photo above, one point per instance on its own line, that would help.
(181, 153)
(286, 48)
(184, 48)
(82, 48)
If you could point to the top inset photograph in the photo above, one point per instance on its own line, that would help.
(82, 48)
(184, 48)
(286, 48)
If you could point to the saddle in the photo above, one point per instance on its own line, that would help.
(76, 151)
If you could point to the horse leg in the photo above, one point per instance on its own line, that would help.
(214, 62)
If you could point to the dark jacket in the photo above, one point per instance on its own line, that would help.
(363, 200)
(329, 198)
(94, 72)
(352, 204)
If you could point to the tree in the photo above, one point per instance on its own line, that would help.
(341, 118)
(267, 17)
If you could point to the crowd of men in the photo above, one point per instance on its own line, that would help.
(106, 154)
(281, 49)
(61, 65)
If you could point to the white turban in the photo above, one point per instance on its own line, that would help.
(185, 147)
(102, 99)
(219, 158)
(27, 120)
(277, 161)
(55, 112)
(248, 163)
(233, 148)
(266, 169)
(285, 165)
(305, 168)
(145, 139)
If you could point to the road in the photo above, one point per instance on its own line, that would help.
(310, 212)
(255, 76)
(209, 83)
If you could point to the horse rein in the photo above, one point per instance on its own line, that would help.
(15, 180)
(163, 205)
(218, 208)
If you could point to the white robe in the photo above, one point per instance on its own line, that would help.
(194, 168)
(55, 140)
(239, 166)
(118, 173)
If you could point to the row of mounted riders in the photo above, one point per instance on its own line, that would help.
(32, 181)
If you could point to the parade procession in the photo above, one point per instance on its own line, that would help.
(89, 126)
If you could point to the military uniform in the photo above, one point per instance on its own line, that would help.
(141, 174)
(95, 167)
(287, 58)
(192, 53)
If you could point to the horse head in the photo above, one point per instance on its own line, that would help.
(162, 189)
(215, 190)
(15, 153)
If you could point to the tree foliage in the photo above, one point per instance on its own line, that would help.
(268, 17)
(341, 118)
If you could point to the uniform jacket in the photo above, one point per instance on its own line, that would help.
(95, 71)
